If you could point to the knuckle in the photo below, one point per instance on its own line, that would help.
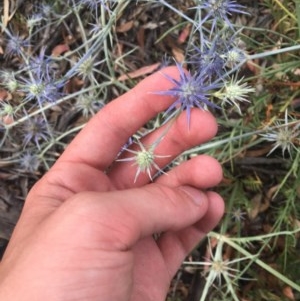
(172, 197)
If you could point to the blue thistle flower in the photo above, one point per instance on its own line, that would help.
(285, 135)
(33, 21)
(45, 10)
(95, 4)
(219, 10)
(87, 69)
(233, 57)
(7, 109)
(210, 60)
(43, 83)
(29, 162)
(233, 92)
(191, 91)
(144, 159)
(9, 80)
(219, 54)
(88, 104)
(43, 90)
(15, 45)
(48, 11)
(42, 66)
(34, 130)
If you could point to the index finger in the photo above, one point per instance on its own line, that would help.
(103, 137)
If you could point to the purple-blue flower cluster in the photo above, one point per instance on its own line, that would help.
(16, 45)
(35, 129)
(42, 82)
(43, 79)
(190, 91)
(215, 55)
(41, 89)
(219, 11)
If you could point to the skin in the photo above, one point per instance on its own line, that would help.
(86, 230)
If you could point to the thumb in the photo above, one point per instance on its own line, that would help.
(119, 219)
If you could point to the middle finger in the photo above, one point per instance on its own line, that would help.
(179, 137)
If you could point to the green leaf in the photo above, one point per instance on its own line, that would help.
(297, 3)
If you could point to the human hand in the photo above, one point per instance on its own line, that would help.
(86, 230)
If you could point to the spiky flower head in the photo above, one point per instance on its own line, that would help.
(88, 104)
(7, 109)
(285, 135)
(42, 89)
(29, 162)
(144, 159)
(190, 91)
(238, 215)
(35, 129)
(42, 66)
(209, 59)
(219, 11)
(9, 80)
(33, 20)
(233, 57)
(86, 66)
(217, 268)
(7, 112)
(15, 45)
(234, 92)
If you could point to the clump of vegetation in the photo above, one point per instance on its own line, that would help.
(62, 61)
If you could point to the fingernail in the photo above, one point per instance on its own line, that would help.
(196, 195)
